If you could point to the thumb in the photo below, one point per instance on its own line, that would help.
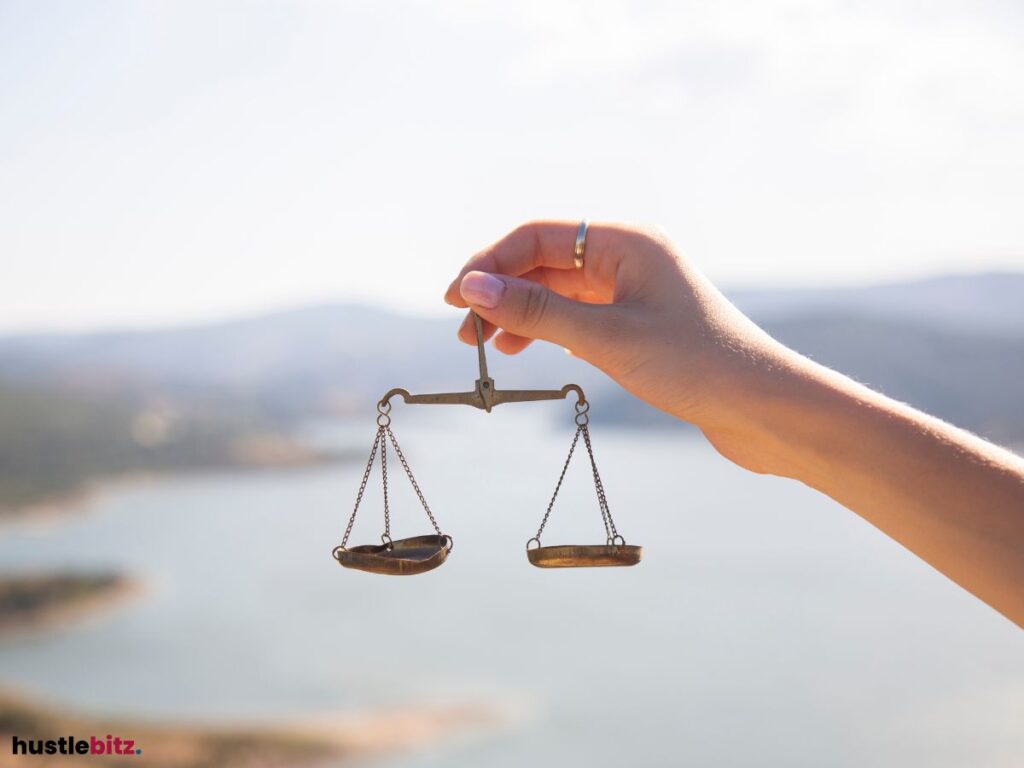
(528, 309)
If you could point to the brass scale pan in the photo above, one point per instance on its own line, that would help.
(419, 554)
(405, 557)
(584, 555)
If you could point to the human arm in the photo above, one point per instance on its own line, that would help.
(645, 316)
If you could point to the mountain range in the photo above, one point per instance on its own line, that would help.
(951, 345)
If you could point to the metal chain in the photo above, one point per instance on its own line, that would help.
(386, 536)
(384, 428)
(378, 440)
(582, 421)
(602, 500)
(558, 485)
(415, 485)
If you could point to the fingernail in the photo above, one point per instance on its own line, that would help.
(482, 289)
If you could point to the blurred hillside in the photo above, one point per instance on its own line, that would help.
(54, 441)
(74, 406)
(952, 346)
(985, 303)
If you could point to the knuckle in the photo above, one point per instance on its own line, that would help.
(527, 228)
(649, 246)
(523, 234)
(527, 237)
(654, 238)
(533, 307)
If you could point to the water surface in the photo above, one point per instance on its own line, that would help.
(766, 625)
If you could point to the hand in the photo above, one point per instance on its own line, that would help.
(637, 310)
(644, 315)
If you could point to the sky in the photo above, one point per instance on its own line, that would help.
(174, 162)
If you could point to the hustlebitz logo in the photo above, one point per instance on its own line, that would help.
(69, 745)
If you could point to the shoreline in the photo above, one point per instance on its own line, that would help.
(335, 738)
(256, 451)
(40, 601)
(67, 506)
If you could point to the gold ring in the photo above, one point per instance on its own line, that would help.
(581, 244)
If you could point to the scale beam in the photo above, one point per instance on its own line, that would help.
(485, 395)
(477, 400)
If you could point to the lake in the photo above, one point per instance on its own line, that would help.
(765, 626)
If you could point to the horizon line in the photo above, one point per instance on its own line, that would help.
(271, 310)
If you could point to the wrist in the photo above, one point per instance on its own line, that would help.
(768, 418)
